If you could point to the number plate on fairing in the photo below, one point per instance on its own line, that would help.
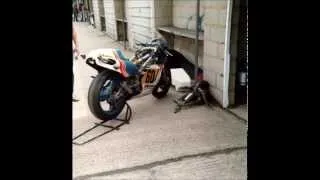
(151, 76)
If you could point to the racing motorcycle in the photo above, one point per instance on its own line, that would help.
(120, 79)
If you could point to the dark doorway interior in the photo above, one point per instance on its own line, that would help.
(122, 30)
(241, 86)
(102, 15)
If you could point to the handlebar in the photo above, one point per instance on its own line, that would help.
(167, 53)
(153, 47)
(146, 44)
(143, 44)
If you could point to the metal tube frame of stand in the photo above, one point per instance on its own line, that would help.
(183, 101)
(126, 120)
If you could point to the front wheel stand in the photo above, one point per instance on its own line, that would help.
(126, 120)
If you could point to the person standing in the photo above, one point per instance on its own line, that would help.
(85, 11)
(76, 53)
(82, 12)
(75, 13)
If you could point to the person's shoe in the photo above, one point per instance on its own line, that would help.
(75, 99)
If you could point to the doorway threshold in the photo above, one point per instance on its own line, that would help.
(240, 111)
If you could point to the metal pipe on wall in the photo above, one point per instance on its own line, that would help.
(124, 26)
(197, 40)
(226, 69)
(124, 33)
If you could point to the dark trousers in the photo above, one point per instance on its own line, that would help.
(82, 17)
(75, 17)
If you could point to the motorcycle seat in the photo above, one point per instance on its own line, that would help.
(122, 55)
(131, 68)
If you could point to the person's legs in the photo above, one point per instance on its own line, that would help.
(74, 99)
(82, 16)
(72, 83)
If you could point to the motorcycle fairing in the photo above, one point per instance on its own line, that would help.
(122, 64)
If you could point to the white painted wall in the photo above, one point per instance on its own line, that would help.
(95, 7)
(109, 10)
(139, 20)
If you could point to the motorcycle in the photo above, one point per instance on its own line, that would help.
(120, 79)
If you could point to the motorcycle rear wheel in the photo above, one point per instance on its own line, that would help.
(94, 101)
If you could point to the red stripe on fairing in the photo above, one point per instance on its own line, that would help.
(123, 69)
(122, 65)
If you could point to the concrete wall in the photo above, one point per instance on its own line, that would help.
(162, 15)
(184, 12)
(187, 46)
(139, 21)
(109, 13)
(175, 13)
(109, 10)
(101, 13)
(95, 7)
(214, 42)
(119, 8)
(211, 49)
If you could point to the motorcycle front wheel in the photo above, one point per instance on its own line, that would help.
(99, 106)
(162, 88)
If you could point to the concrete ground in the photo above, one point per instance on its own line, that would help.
(241, 111)
(196, 143)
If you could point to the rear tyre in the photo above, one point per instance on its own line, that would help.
(94, 101)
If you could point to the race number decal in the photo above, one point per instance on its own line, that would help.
(152, 75)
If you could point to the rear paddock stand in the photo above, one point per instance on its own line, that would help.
(197, 96)
(126, 120)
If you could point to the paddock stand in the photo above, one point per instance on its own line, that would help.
(126, 120)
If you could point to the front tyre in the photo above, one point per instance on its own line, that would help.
(162, 88)
(96, 103)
